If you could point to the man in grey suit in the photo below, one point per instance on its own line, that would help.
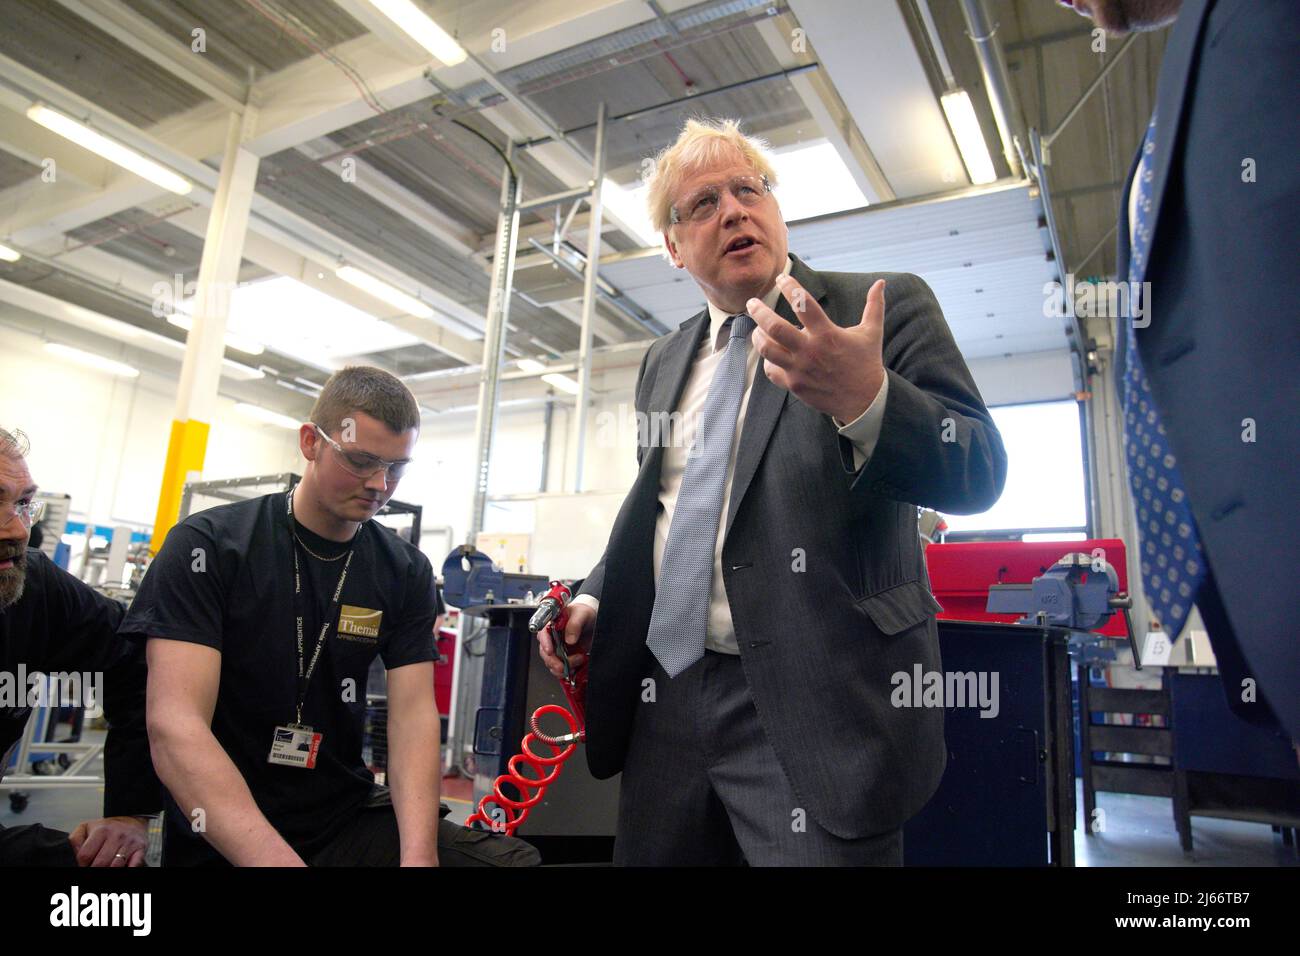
(764, 578)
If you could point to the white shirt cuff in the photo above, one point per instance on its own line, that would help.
(864, 431)
(586, 600)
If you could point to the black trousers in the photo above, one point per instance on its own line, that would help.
(371, 839)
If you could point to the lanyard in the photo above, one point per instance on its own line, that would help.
(304, 677)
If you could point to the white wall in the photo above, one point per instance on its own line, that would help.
(103, 439)
(442, 477)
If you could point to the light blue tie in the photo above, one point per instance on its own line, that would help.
(681, 612)
(1173, 566)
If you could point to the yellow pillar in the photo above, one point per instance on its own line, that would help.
(185, 452)
(196, 396)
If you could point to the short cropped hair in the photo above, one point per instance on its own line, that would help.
(363, 388)
(13, 444)
(701, 143)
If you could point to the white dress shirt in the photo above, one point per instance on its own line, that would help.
(862, 433)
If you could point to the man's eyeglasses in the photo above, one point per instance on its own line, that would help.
(28, 512)
(702, 204)
(362, 463)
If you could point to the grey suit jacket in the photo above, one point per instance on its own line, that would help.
(819, 645)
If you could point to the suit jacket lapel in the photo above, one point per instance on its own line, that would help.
(673, 369)
(765, 401)
(628, 564)
(675, 364)
(1175, 69)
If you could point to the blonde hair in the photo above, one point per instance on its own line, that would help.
(701, 143)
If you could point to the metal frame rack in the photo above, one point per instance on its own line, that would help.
(241, 489)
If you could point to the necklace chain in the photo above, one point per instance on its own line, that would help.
(337, 557)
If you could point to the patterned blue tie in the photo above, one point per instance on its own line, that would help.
(1173, 565)
(681, 612)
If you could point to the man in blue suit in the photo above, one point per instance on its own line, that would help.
(1208, 224)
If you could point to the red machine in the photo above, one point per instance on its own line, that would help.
(961, 574)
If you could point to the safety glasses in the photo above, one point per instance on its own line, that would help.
(362, 464)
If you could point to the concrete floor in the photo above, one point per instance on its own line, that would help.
(1139, 831)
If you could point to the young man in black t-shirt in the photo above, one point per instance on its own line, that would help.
(262, 619)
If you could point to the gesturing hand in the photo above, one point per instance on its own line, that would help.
(832, 369)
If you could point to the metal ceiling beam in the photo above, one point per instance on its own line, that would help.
(1051, 137)
(161, 48)
(867, 51)
(832, 117)
(308, 266)
(269, 219)
(307, 100)
(314, 98)
(456, 236)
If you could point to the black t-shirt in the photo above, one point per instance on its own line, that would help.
(62, 625)
(225, 579)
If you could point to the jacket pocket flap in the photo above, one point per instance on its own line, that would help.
(900, 607)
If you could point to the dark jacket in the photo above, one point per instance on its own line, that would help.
(61, 624)
(1223, 345)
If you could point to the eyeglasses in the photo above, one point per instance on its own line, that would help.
(28, 512)
(702, 204)
(362, 463)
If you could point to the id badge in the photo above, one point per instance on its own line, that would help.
(295, 745)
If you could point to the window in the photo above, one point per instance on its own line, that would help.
(1046, 487)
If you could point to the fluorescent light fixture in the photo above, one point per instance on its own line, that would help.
(90, 360)
(1054, 536)
(384, 292)
(966, 130)
(294, 319)
(240, 343)
(562, 382)
(10, 255)
(241, 372)
(531, 365)
(111, 150)
(416, 23)
(266, 416)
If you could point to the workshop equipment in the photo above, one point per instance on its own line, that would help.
(962, 572)
(553, 612)
(1006, 797)
(573, 821)
(1079, 592)
(470, 578)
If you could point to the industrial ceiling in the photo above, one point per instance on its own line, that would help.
(325, 87)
